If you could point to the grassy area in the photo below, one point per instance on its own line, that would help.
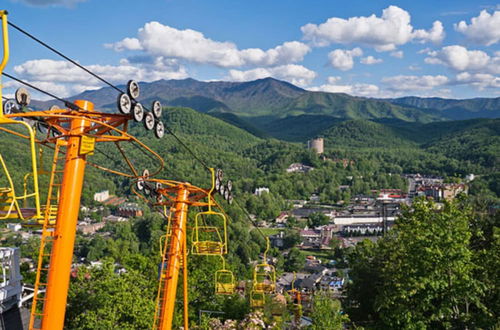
(270, 231)
(317, 253)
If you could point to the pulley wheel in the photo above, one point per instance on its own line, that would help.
(138, 112)
(124, 104)
(149, 121)
(159, 129)
(156, 108)
(23, 97)
(133, 89)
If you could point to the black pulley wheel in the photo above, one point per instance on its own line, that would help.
(133, 89)
(10, 106)
(159, 129)
(149, 121)
(156, 109)
(23, 97)
(124, 103)
(138, 112)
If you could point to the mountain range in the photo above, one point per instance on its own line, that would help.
(270, 107)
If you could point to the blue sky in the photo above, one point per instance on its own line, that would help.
(365, 48)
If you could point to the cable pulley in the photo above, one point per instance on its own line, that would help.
(22, 96)
(138, 112)
(10, 106)
(149, 121)
(124, 104)
(133, 89)
(159, 130)
(156, 109)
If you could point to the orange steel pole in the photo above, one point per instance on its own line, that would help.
(175, 253)
(65, 230)
(185, 283)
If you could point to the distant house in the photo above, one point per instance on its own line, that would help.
(87, 229)
(259, 191)
(445, 191)
(299, 168)
(129, 210)
(282, 218)
(113, 218)
(101, 196)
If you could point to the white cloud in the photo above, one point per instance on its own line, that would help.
(397, 54)
(414, 67)
(483, 29)
(435, 35)
(343, 59)
(296, 74)
(125, 44)
(478, 80)
(371, 60)
(414, 83)
(333, 85)
(44, 3)
(65, 79)
(460, 58)
(157, 39)
(383, 33)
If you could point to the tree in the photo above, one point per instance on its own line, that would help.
(326, 313)
(421, 275)
(294, 260)
(99, 298)
(318, 219)
(291, 239)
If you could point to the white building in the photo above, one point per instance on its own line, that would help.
(259, 191)
(101, 196)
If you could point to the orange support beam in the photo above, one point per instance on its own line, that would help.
(176, 252)
(65, 230)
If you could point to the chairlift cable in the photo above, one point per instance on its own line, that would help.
(62, 55)
(67, 103)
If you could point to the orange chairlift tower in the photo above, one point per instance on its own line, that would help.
(209, 236)
(72, 132)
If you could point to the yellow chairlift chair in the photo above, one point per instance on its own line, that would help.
(9, 199)
(257, 299)
(264, 275)
(207, 238)
(224, 280)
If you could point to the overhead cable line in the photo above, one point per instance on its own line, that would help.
(63, 56)
(104, 81)
(67, 103)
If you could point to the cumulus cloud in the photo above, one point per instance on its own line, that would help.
(44, 3)
(157, 39)
(333, 85)
(383, 33)
(483, 29)
(371, 60)
(343, 59)
(296, 74)
(460, 58)
(414, 83)
(397, 54)
(478, 80)
(65, 79)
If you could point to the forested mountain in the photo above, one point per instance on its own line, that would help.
(454, 109)
(269, 107)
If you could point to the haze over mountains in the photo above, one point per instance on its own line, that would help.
(270, 107)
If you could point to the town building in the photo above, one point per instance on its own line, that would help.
(299, 168)
(101, 196)
(259, 191)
